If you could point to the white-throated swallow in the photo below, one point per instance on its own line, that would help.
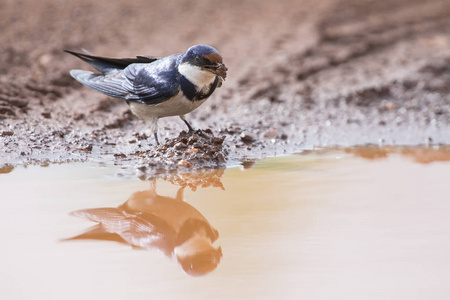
(157, 87)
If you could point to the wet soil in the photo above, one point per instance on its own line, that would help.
(301, 75)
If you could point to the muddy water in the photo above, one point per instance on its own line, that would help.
(354, 224)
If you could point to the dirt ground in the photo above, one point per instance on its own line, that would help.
(302, 74)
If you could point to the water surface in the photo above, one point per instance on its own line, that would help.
(363, 223)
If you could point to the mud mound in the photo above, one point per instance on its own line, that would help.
(187, 152)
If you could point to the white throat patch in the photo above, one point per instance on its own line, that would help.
(196, 75)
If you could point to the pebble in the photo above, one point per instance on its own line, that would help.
(180, 146)
(87, 148)
(6, 168)
(198, 145)
(193, 139)
(218, 141)
(247, 164)
(390, 106)
(185, 163)
(7, 133)
(47, 115)
(271, 134)
(247, 137)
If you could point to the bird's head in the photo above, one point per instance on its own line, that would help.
(201, 64)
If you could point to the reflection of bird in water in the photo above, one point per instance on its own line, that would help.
(148, 220)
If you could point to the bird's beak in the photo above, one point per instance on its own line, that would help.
(219, 69)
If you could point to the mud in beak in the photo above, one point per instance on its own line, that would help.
(218, 69)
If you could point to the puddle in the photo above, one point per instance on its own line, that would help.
(360, 223)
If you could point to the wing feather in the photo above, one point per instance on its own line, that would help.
(148, 83)
(154, 83)
(110, 84)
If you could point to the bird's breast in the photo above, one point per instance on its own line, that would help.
(175, 106)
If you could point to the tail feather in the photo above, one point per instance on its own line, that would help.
(106, 65)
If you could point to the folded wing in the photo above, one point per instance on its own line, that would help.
(149, 83)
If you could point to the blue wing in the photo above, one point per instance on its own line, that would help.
(148, 83)
(152, 83)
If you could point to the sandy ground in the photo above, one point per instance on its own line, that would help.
(302, 74)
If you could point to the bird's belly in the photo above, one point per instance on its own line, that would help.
(176, 106)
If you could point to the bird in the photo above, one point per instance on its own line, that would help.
(156, 87)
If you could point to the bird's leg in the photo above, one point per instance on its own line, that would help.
(189, 126)
(182, 117)
(154, 129)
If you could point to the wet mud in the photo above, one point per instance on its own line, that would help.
(328, 73)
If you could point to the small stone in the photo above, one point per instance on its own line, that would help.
(198, 145)
(390, 106)
(218, 141)
(47, 115)
(185, 163)
(6, 168)
(247, 164)
(88, 148)
(7, 133)
(193, 139)
(193, 150)
(180, 146)
(247, 137)
(271, 134)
